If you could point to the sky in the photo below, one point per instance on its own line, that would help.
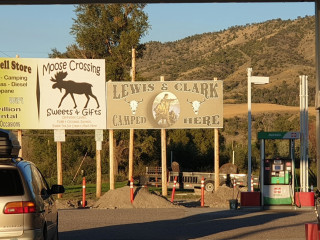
(32, 31)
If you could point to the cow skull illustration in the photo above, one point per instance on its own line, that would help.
(196, 105)
(133, 105)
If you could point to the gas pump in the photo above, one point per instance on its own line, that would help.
(277, 173)
(278, 183)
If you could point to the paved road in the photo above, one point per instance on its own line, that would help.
(180, 224)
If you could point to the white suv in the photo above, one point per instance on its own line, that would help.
(27, 208)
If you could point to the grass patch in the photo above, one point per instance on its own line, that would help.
(75, 191)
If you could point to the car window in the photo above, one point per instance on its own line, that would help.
(42, 185)
(37, 181)
(10, 183)
(44, 182)
(30, 180)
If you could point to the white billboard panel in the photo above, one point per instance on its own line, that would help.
(52, 93)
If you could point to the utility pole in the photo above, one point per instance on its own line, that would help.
(317, 5)
(131, 141)
(216, 157)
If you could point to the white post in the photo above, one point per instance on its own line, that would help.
(302, 169)
(307, 136)
(249, 128)
(305, 187)
(304, 165)
(233, 157)
(255, 80)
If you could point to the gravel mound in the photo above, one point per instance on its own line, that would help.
(221, 197)
(120, 198)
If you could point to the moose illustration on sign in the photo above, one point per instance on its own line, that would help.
(72, 87)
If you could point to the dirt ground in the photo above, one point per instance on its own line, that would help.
(120, 199)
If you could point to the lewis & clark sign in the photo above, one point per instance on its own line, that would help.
(169, 105)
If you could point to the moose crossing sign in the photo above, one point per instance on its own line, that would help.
(176, 104)
(52, 93)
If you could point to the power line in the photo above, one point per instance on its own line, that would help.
(22, 52)
(4, 53)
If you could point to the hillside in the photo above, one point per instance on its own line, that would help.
(241, 110)
(282, 50)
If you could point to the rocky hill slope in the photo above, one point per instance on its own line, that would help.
(282, 50)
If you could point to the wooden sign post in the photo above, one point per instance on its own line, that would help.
(216, 160)
(216, 157)
(99, 139)
(131, 141)
(59, 137)
(164, 158)
(111, 160)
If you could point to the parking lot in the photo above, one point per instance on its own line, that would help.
(183, 223)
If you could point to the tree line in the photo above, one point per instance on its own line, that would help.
(193, 149)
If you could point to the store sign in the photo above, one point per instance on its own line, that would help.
(177, 104)
(52, 93)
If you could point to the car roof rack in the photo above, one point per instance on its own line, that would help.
(9, 144)
(9, 160)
